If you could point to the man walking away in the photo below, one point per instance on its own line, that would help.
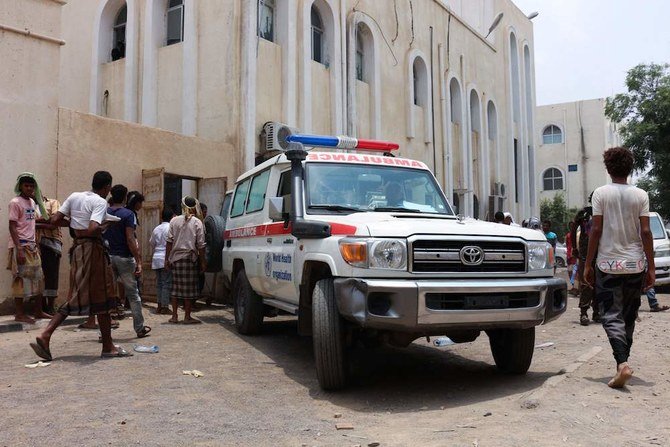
(158, 242)
(622, 237)
(50, 241)
(24, 257)
(185, 255)
(91, 290)
(125, 255)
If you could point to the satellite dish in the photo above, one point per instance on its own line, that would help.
(532, 15)
(495, 23)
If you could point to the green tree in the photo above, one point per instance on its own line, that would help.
(558, 213)
(644, 115)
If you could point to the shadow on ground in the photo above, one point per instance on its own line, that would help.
(388, 379)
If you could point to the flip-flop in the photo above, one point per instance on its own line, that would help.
(191, 321)
(120, 352)
(171, 321)
(41, 350)
(144, 332)
(85, 326)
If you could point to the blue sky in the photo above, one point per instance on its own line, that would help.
(583, 48)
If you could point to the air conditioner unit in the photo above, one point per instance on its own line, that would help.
(499, 189)
(273, 136)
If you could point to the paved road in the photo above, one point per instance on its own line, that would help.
(262, 390)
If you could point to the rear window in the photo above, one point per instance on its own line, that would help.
(657, 228)
(257, 192)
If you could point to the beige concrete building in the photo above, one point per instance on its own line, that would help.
(424, 74)
(180, 90)
(570, 139)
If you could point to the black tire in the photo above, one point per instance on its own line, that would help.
(214, 227)
(248, 306)
(560, 262)
(512, 349)
(328, 337)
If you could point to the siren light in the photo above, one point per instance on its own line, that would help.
(342, 142)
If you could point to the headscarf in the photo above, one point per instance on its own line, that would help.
(189, 211)
(39, 200)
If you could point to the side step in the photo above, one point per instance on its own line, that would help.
(287, 307)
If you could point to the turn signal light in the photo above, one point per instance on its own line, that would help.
(355, 253)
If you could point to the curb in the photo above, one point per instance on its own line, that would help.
(13, 326)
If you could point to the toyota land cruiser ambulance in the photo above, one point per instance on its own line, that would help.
(359, 244)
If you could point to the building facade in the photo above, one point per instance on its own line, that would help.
(171, 96)
(570, 139)
(428, 75)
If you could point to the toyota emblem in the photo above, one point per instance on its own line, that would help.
(472, 255)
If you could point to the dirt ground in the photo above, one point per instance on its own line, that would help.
(262, 390)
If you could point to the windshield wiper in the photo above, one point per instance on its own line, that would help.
(396, 209)
(335, 208)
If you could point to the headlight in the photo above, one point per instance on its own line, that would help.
(662, 251)
(540, 256)
(389, 254)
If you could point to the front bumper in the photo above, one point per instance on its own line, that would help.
(408, 305)
(662, 271)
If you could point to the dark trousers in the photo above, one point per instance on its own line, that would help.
(586, 294)
(619, 299)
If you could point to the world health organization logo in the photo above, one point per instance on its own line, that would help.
(268, 264)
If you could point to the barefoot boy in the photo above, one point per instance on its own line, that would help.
(621, 236)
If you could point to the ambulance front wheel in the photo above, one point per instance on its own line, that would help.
(328, 334)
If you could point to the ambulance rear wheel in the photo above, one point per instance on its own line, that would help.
(328, 336)
(248, 306)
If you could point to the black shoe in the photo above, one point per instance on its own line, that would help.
(584, 320)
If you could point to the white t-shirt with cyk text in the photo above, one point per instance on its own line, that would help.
(620, 250)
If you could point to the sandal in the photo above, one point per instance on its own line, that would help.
(41, 350)
(86, 326)
(658, 308)
(120, 352)
(144, 332)
(191, 321)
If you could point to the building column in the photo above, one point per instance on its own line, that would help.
(248, 84)
(190, 70)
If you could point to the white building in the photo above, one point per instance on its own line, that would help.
(171, 95)
(423, 74)
(570, 139)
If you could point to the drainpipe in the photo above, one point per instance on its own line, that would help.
(446, 158)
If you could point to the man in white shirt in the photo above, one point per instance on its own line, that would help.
(158, 243)
(621, 235)
(91, 290)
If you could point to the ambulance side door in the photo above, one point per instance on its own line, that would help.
(280, 265)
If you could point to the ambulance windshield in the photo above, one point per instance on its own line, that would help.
(349, 188)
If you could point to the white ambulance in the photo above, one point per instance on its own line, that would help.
(361, 245)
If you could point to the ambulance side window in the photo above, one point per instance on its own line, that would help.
(257, 192)
(284, 184)
(240, 198)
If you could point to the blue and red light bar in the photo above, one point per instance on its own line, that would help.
(342, 142)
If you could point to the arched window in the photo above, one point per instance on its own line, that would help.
(266, 19)
(317, 36)
(175, 22)
(119, 42)
(420, 80)
(360, 53)
(552, 180)
(552, 135)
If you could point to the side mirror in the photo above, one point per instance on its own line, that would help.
(276, 208)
